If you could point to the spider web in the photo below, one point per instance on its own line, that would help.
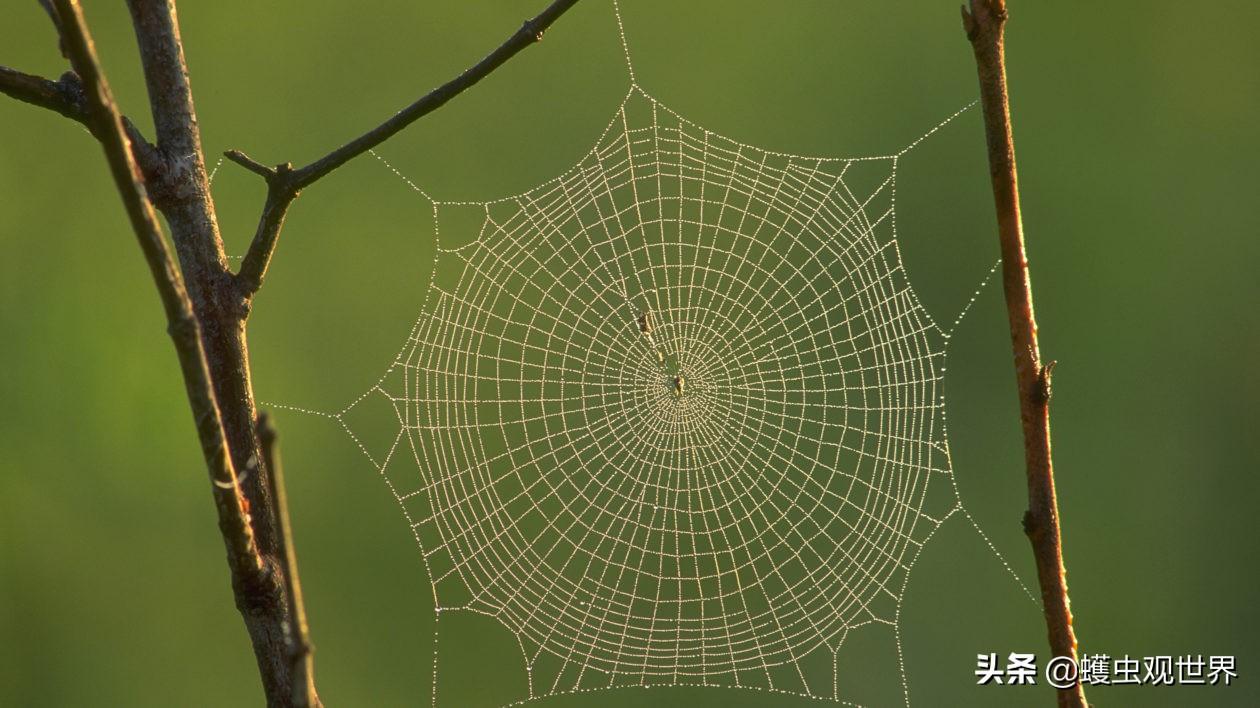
(676, 416)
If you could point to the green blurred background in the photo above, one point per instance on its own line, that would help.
(1136, 130)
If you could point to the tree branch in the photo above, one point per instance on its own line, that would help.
(102, 114)
(300, 649)
(284, 182)
(189, 209)
(205, 304)
(56, 20)
(65, 96)
(985, 24)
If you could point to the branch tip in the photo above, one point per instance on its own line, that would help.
(285, 181)
(969, 22)
(250, 164)
(979, 15)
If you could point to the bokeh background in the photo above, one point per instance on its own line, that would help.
(1135, 126)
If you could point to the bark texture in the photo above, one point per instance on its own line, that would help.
(208, 306)
(985, 23)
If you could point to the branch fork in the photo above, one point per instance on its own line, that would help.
(284, 182)
(206, 320)
(209, 334)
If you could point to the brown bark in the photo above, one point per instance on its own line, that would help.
(183, 196)
(985, 24)
(207, 306)
(249, 566)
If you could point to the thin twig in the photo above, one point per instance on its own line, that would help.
(65, 96)
(102, 113)
(56, 20)
(205, 304)
(985, 24)
(284, 182)
(300, 649)
(250, 164)
(188, 206)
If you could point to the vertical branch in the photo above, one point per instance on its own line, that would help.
(302, 671)
(182, 192)
(207, 307)
(102, 114)
(984, 24)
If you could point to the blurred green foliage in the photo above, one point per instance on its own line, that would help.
(1135, 125)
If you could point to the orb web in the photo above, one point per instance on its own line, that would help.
(675, 416)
